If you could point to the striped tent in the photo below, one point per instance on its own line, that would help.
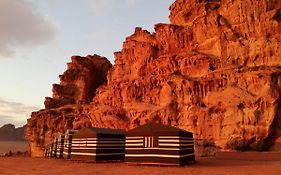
(54, 146)
(47, 153)
(98, 144)
(68, 143)
(59, 145)
(159, 144)
(52, 149)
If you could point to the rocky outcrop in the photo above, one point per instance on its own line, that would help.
(9, 132)
(79, 82)
(214, 71)
(67, 108)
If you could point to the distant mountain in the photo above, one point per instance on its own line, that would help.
(9, 132)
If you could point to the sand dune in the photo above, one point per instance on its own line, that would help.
(209, 166)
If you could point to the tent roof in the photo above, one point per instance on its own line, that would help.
(94, 131)
(155, 129)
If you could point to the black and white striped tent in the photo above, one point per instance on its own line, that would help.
(159, 144)
(59, 143)
(53, 148)
(48, 149)
(54, 145)
(98, 144)
(68, 143)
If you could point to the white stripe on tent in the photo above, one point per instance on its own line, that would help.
(83, 144)
(94, 154)
(186, 141)
(175, 137)
(94, 145)
(134, 144)
(98, 142)
(98, 138)
(145, 142)
(171, 149)
(134, 137)
(96, 148)
(84, 148)
(159, 155)
(174, 144)
(131, 141)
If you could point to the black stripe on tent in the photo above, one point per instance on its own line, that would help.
(133, 147)
(99, 142)
(159, 160)
(152, 151)
(98, 139)
(82, 151)
(182, 143)
(111, 157)
(181, 146)
(103, 136)
(97, 151)
(95, 140)
(185, 134)
(99, 158)
(121, 150)
(176, 140)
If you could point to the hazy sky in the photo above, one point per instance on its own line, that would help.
(38, 37)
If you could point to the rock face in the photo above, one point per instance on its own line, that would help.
(214, 71)
(67, 108)
(9, 132)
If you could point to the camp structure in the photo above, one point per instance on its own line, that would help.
(48, 149)
(159, 144)
(54, 146)
(98, 144)
(68, 143)
(59, 143)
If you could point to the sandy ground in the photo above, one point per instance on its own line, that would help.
(14, 146)
(208, 166)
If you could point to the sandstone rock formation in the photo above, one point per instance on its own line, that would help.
(67, 108)
(214, 71)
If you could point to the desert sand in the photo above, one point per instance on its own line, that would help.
(209, 166)
(14, 146)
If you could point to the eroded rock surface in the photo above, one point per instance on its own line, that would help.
(214, 71)
(66, 109)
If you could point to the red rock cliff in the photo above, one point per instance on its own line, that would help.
(214, 71)
(65, 110)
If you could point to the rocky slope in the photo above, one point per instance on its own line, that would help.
(9, 132)
(214, 71)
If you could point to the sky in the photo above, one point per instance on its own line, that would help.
(38, 37)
